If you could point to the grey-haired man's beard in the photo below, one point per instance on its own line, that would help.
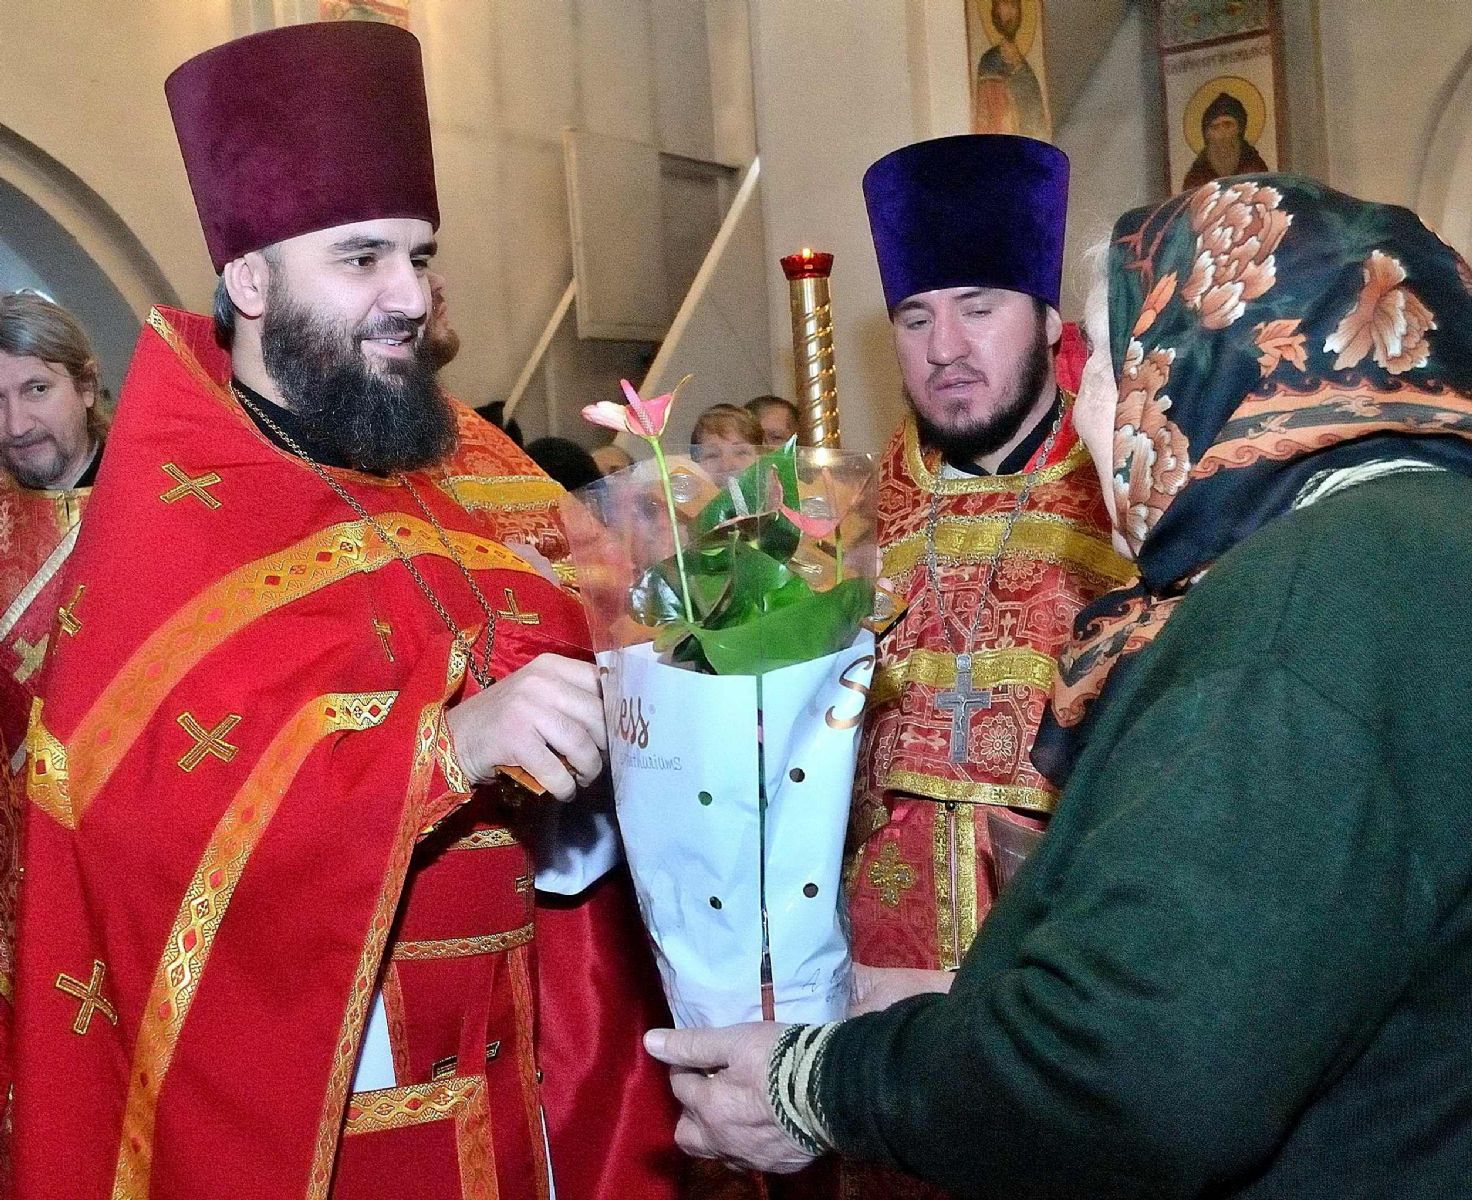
(977, 439)
(36, 478)
(381, 420)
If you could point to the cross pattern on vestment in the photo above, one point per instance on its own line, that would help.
(205, 743)
(190, 487)
(31, 657)
(961, 701)
(90, 994)
(67, 614)
(514, 614)
(383, 629)
(891, 875)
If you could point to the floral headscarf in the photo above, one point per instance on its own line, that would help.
(1263, 329)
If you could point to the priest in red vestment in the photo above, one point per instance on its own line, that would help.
(993, 534)
(51, 436)
(278, 928)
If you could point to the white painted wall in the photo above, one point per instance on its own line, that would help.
(83, 84)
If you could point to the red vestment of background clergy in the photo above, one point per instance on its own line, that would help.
(920, 872)
(38, 531)
(243, 819)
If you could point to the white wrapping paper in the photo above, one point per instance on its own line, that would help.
(688, 770)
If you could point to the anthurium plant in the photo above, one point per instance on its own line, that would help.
(759, 578)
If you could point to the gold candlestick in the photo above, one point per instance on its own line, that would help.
(812, 347)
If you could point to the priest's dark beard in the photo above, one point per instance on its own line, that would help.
(967, 443)
(381, 421)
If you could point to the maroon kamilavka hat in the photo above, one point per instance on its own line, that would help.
(304, 128)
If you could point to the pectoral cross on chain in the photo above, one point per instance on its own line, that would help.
(961, 701)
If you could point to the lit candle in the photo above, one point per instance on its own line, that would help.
(807, 274)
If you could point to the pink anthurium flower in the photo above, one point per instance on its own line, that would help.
(814, 527)
(646, 419)
(643, 418)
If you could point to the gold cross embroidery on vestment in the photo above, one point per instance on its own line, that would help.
(90, 994)
(383, 629)
(67, 614)
(891, 875)
(514, 614)
(207, 742)
(190, 487)
(31, 657)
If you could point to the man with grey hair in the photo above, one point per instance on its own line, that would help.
(51, 430)
(51, 434)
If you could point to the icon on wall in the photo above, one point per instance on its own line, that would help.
(391, 12)
(1220, 64)
(1009, 83)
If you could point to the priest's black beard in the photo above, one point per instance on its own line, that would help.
(381, 421)
(967, 443)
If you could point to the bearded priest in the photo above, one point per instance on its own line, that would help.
(278, 932)
(993, 533)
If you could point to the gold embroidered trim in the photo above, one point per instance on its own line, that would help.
(486, 943)
(461, 1098)
(506, 493)
(967, 899)
(927, 481)
(44, 575)
(392, 991)
(120, 714)
(955, 884)
(524, 1006)
(966, 792)
(989, 668)
(48, 784)
(485, 839)
(206, 900)
(1039, 536)
(413, 1104)
(355, 1014)
(940, 858)
(449, 760)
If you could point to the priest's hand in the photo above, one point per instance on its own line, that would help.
(876, 988)
(546, 718)
(719, 1076)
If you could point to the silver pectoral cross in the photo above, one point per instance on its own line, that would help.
(961, 701)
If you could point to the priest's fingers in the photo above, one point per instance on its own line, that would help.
(547, 769)
(586, 710)
(574, 743)
(571, 671)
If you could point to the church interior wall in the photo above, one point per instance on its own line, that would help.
(821, 87)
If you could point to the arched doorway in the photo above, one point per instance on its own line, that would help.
(60, 238)
(1444, 196)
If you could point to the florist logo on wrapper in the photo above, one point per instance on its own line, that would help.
(633, 725)
(634, 729)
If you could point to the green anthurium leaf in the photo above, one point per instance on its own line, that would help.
(775, 533)
(690, 653)
(759, 584)
(671, 635)
(655, 597)
(707, 592)
(818, 625)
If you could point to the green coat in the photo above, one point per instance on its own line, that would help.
(1240, 964)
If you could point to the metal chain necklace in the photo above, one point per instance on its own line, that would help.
(480, 672)
(964, 697)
